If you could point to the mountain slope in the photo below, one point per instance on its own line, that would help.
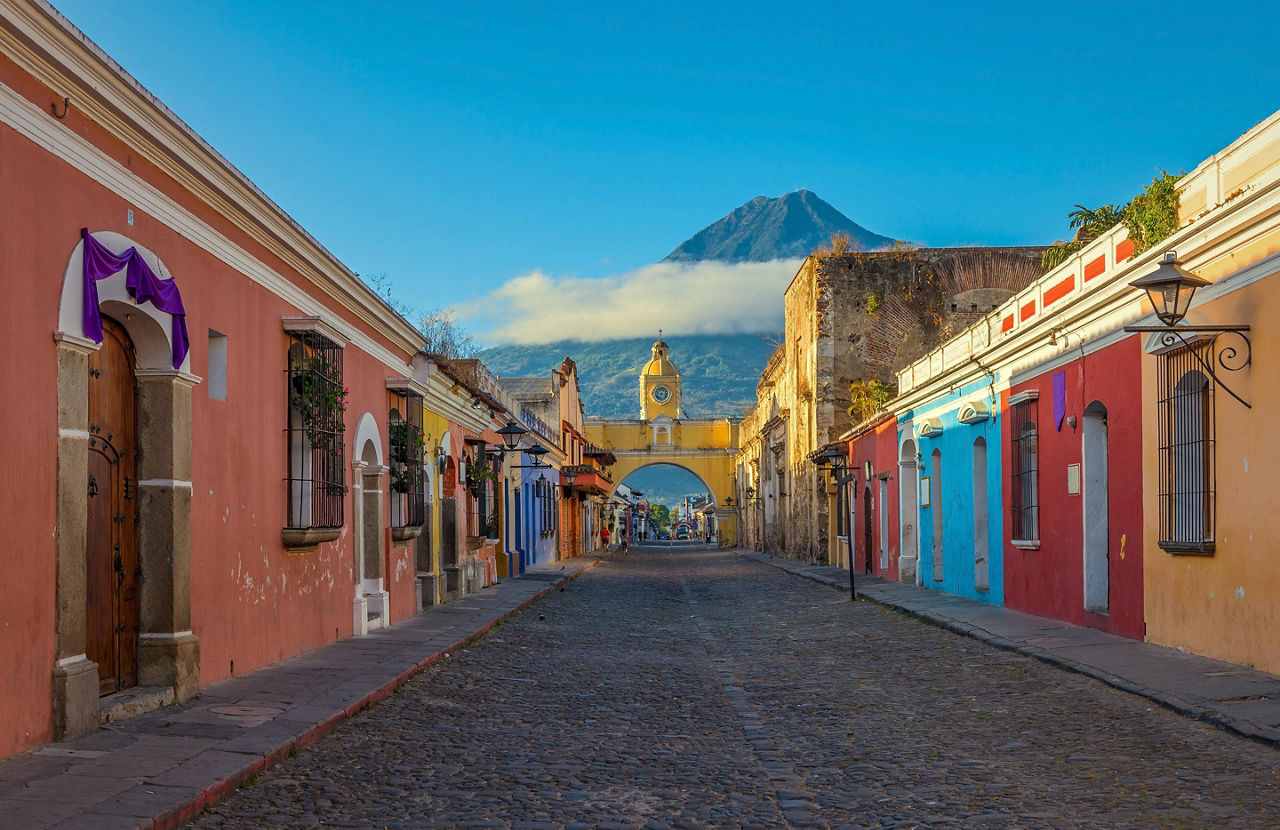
(765, 229)
(720, 371)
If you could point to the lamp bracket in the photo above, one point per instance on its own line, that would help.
(1229, 358)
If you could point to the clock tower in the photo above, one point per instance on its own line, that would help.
(659, 385)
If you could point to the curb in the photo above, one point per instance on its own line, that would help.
(1226, 723)
(221, 789)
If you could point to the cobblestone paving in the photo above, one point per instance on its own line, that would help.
(701, 689)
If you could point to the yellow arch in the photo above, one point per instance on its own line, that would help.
(705, 448)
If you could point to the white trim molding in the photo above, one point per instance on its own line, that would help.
(317, 324)
(974, 412)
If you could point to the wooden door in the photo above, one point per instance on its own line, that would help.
(111, 546)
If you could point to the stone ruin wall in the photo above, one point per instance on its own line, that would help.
(862, 316)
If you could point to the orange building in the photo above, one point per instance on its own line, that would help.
(1209, 392)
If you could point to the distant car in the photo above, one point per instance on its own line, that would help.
(663, 535)
(682, 533)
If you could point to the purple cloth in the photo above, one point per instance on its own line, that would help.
(1059, 397)
(142, 284)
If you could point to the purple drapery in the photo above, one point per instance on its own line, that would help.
(141, 282)
(1059, 398)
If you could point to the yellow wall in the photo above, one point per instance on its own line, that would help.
(435, 427)
(653, 409)
(1227, 605)
(705, 448)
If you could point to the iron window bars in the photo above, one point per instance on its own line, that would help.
(408, 475)
(1185, 413)
(317, 401)
(1024, 491)
(482, 519)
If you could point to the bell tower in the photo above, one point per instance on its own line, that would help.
(659, 384)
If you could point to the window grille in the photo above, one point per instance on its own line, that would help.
(482, 475)
(1024, 490)
(317, 400)
(1186, 432)
(408, 475)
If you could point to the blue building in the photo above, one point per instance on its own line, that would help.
(950, 467)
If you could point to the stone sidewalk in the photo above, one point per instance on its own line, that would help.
(1232, 697)
(162, 768)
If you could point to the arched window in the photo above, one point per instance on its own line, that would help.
(1186, 455)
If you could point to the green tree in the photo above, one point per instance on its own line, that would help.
(661, 515)
(867, 397)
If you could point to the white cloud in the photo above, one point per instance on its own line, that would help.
(679, 298)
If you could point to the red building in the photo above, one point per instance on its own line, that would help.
(873, 497)
(1075, 428)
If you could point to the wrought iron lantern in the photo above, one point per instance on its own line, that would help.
(1170, 288)
(512, 433)
(568, 475)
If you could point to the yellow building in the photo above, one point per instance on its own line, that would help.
(661, 435)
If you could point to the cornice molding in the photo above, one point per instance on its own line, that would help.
(49, 48)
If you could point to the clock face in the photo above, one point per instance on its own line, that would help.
(661, 394)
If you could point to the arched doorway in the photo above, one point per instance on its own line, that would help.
(1097, 526)
(981, 519)
(154, 597)
(681, 506)
(372, 601)
(909, 520)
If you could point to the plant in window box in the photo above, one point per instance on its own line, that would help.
(407, 451)
(479, 473)
(320, 399)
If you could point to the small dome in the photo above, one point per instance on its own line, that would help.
(659, 364)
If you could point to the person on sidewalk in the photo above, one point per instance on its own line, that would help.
(604, 538)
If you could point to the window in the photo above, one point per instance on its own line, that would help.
(1186, 433)
(1024, 490)
(317, 401)
(408, 475)
(482, 478)
(217, 372)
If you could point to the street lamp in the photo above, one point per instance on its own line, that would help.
(1170, 288)
(568, 475)
(833, 460)
(512, 433)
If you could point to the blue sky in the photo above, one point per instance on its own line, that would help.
(491, 156)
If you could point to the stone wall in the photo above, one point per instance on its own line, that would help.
(850, 317)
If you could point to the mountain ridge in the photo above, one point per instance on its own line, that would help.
(719, 372)
(763, 229)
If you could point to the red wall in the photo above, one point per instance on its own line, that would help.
(1049, 582)
(252, 603)
(879, 446)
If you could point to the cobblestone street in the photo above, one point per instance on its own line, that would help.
(700, 688)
